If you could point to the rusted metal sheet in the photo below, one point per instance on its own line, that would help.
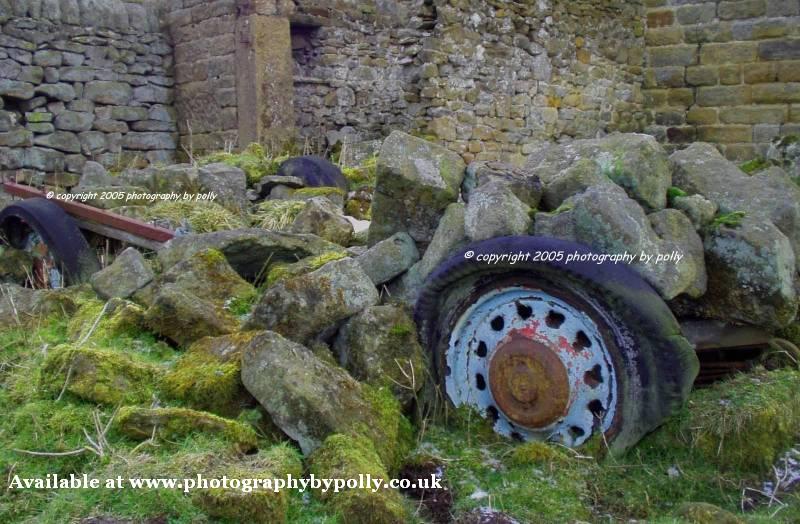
(93, 214)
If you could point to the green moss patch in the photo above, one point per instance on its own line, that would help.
(346, 457)
(755, 165)
(101, 376)
(279, 272)
(177, 423)
(208, 375)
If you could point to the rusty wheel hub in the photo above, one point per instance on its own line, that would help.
(528, 382)
(535, 364)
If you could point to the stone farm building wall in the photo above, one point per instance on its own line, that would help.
(83, 79)
(123, 80)
(726, 72)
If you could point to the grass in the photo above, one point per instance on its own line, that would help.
(202, 217)
(253, 160)
(732, 219)
(277, 215)
(723, 441)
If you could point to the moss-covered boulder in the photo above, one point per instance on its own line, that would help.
(244, 504)
(416, 181)
(247, 250)
(177, 423)
(323, 218)
(128, 273)
(635, 162)
(578, 177)
(279, 272)
(104, 377)
(745, 423)
(379, 346)
(208, 375)
(312, 305)
(751, 271)
(310, 399)
(183, 317)
(205, 274)
(704, 513)
(347, 457)
(98, 321)
(334, 195)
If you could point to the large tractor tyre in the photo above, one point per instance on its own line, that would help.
(60, 250)
(550, 350)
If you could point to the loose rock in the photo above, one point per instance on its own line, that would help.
(313, 305)
(379, 346)
(494, 211)
(416, 181)
(322, 218)
(389, 258)
(128, 273)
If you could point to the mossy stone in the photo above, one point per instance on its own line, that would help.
(105, 377)
(347, 457)
(177, 423)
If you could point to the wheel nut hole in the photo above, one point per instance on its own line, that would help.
(593, 377)
(576, 432)
(492, 413)
(596, 408)
(516, 436)
(554, 319)
(448, 371)
(482, 350)
(581, 341)
(480, 382)
(524, 312)
(498, 323)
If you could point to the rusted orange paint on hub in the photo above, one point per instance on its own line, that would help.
(529, 382)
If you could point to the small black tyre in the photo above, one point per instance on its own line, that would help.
(59, 233)
(551, 350)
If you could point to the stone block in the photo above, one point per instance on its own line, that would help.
(701, 115)
(725, 134)
(730, 74)
(669, 76)
(779, 49)
(663, 36)
(729, 52)
(660, 18)
(741, 9)
(776, 93)
(682, 97)
(760, 73)
(674, 55)
(753, 114)
(702, 75)
(724, 95)
(108, 92)
(696, 14)
(789, 71)
(783, 8)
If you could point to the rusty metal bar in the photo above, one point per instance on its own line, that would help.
(93, 214)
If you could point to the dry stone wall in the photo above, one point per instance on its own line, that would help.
(726, 72)
(484, 77)
(83, 80)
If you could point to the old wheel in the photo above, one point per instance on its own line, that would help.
(61, 254)
(554, 351)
